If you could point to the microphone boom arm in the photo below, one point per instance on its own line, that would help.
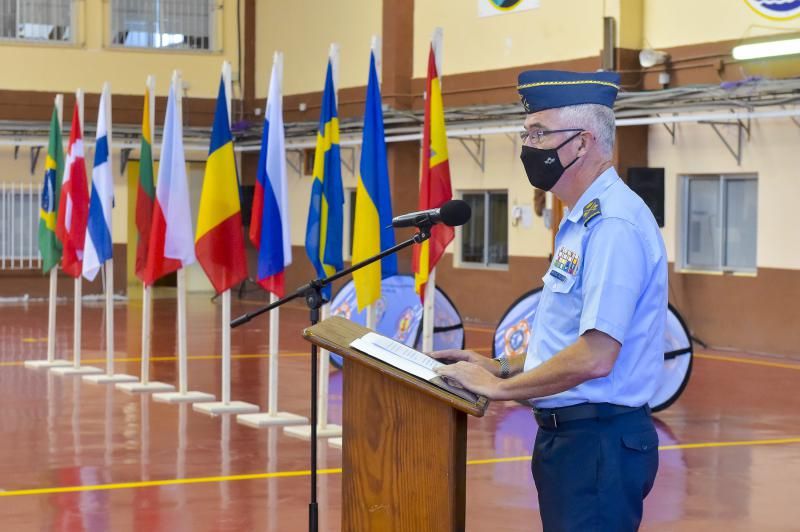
(311, 292)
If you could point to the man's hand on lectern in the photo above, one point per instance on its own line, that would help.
(451, 356)
(472, 377)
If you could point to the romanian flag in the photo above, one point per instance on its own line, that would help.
(373, 231)
(269, 222)
(49, 246)
(326, 209)
(219, 241)
(434, 188)
(146, 191)
(73, 206)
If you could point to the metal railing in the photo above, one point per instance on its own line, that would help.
(36, 20)
(174, 24)
(19, 226)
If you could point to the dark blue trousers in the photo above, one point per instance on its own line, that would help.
(593, 475)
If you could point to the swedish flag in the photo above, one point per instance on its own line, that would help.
(49, 246)
(326, 209)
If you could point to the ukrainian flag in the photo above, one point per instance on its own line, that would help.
(219, 242)
(326, 209)
(373, 231)
(49, 245)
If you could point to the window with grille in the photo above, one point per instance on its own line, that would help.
(171, 24)
(36, 20)
(484, 239)
(719, 222)
(19, 223)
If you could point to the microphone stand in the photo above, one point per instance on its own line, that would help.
(312, 293)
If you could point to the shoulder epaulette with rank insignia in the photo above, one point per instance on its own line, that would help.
(590, 210)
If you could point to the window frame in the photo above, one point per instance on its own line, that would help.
(73, 32)
(215, 34)
(24, 219)
(459, 261)
(683, 263)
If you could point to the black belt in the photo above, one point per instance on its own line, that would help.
(551, 418)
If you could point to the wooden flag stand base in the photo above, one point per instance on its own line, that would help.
(272, 417)
(145, 385)
(40, 364)
(226, 406)
(183, 395)
(75, 368)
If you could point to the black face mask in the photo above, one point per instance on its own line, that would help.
(543, 167)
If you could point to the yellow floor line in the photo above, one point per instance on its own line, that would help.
(165, 359)
(333, 471)
(747, 361)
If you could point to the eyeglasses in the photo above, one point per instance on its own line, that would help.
(537, 136)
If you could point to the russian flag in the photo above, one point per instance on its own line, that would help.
(97, 248)
(269, 224)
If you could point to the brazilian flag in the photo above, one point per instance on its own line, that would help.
(49, 246)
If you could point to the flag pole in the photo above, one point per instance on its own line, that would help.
(428, 307)
(226, 406)
(76, 368)
(53, 292)
(183, 395)
(323, 429)
(51, 315)
(226, 295)
(375, 47)
(273, 417)
(144, 384)
(110, 262)
(109, 377)
(76, 336)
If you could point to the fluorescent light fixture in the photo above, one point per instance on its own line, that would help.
(767, 49)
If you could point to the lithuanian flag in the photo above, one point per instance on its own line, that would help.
(146, 191)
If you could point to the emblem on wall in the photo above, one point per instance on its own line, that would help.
(775, 9)
(488, 8)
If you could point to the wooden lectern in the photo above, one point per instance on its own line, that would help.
(404, 442)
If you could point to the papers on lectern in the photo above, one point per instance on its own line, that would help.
(408, 360)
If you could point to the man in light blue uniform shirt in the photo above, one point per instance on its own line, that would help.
(598, 335)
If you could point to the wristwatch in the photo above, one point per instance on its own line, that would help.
(505, 367)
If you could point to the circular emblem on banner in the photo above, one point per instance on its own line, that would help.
(344, 310)
(380, 309)
(775, 9)
(504, 5)
(404, 323)
(517, 337)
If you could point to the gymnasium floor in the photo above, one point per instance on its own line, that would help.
(76, 456)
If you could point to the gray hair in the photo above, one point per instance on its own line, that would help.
(598, 119)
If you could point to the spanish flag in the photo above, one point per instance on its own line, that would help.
(373, 231)
(49, 246)
(326, 209)
(146, 191)
(219, 242)
(435, 187)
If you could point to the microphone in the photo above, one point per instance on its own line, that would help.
(452, 213)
